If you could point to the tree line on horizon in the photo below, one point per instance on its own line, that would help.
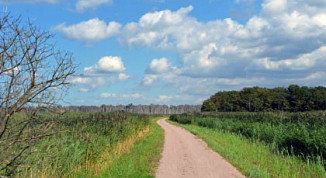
(253, 99)
(138, 109)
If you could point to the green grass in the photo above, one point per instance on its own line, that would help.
(300, 134)
(143, 158)
(253, 158)
(82, 140)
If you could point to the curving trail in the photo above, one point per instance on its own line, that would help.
(184, 155)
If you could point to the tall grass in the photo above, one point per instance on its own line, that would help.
(256, 159)
(143, 158)
(82, 137)
(300, 134)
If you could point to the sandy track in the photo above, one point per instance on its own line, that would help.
(184, 155)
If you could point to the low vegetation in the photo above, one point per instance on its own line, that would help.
(79, 139)
(299, 135)
(142, 159)
(302, 134)
(253, 158)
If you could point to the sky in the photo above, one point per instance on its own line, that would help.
(181, 51)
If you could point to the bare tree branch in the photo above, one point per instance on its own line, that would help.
(33, 74)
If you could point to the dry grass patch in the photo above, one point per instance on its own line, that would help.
(95, 167)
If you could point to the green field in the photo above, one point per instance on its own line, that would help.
(264, 144)
(119, 144)
(94, 144)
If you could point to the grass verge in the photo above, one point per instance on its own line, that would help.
(93, 168)
(255, 159)
(81, 140)
(143, 157)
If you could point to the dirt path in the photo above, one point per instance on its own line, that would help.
(184, 155)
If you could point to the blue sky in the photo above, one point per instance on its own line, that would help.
(182, 51)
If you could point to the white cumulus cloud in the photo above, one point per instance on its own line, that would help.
(159, 66)
(108, 70)
(283, 43)
(107, 64)
(90, 30)
(123, 96)
(287, 36)
(91, 81)
(83, 5)
(123, 76)
(275, 6)
(158, 69)
(303, 62)
(149, 79)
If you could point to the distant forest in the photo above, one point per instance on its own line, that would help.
(293, 98)
(139, 109)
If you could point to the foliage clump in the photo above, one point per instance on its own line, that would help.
(293, 98)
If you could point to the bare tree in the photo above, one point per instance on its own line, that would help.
(33, 74)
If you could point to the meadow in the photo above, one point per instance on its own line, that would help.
(120, 144)
(84, 144)
(299, 136)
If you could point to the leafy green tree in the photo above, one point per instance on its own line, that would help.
(247, 99)
(293, 98)
(280, 101)
(319, 98)
(208, 105)
(300, 98)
